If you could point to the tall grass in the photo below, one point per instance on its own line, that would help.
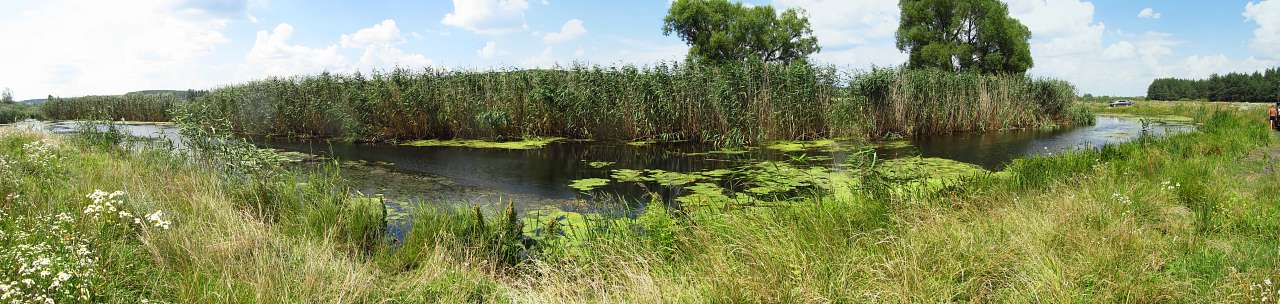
(130, 107)
(1187, 218)
(15, 112)
(926, 102)
(732, 104)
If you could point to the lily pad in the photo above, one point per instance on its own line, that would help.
(629, 176)
(588, 184)
(600, 164)
(672, 179)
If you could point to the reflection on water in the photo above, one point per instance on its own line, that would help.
(540, 177)
(994, 150)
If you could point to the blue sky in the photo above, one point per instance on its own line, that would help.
(71, 47)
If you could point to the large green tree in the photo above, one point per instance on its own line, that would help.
(963, 35)
(721, 31)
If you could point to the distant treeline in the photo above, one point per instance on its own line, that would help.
(738, 103)
(134, 106)
(1255, 87)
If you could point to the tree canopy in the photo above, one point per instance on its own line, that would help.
(963, 35)
(6, 96)
(1247, 87)
(720, 31)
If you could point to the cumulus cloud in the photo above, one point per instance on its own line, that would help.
(1148, 13)
(273, 55)
(842, 23)
(1266, 38)
(543, 60)
(488, 16)
(385, 33)
(68, 48)
(489, 50)
(571, 30)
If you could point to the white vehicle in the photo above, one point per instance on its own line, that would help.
(1121, 103)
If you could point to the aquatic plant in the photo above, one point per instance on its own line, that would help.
(726, 105)
(128, 107)
(588, 184)
(926, 101)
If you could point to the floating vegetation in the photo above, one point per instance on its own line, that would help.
(916, 168)
(600, 164)
(672, 179)
(774, 178)
(895, 144)
(526, 144)
(725, 151)
(588, 184)
(642, 143)
(710, 195)
(797, 146)
(629, 175)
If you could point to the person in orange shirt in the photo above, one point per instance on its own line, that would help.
(1273, 114)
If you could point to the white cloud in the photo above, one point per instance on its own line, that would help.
(571, 30)
(273, 55)
(1266, 38)
(380, 47)
(386, 57)
(864, 57)
(489, 50)
(1148, 13)
(385, 33)
(843, 23)
(543, 60)
(488, 16)
(68, 48)
(858, 34)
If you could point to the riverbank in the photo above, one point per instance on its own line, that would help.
(1189, 217)
(727, 105)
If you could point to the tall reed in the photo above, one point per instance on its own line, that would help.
(734, 104)
(926, 102)
(131, 107)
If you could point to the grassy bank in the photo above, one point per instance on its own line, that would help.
(10, 113)
(729, 105)
(129, 107)
(1188, 218)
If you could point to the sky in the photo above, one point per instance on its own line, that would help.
(83, 47)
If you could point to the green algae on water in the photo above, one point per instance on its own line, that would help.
(629, 176)
(800, 145)
(588, 184)
(526, 144)
(600, 164)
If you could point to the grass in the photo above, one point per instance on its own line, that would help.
(1187, 218)
(149, 107)
(729, 105)
(15, 112)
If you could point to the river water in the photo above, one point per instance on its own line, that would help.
(541, 177)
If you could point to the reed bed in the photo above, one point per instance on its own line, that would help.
(732, 104)
(930, 102)
(130, 107)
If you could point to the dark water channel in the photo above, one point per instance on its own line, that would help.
(541, 177)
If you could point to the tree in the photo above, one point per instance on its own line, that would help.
(719, 31)
(963, 35)
(6, 96)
